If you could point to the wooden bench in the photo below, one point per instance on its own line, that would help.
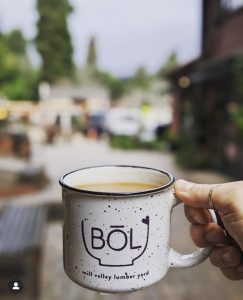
(21, 246)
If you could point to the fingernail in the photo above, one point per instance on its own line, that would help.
(227, 256)
(240, 269)
(183, 185)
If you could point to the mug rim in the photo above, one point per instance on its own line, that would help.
(124, 194)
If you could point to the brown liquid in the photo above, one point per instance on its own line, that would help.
(117, 187)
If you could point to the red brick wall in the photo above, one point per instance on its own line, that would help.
(228, 36)
(177, 103)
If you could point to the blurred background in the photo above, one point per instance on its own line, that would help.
(153, 83)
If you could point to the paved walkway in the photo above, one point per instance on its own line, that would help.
(79, 152)
(199, 283)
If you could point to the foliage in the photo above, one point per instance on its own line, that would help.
(8, 62)
(171, 139)
(238, 78)
(132, 143)
(15, 82)
(16, 42)
(191, 152)
(53, 39)
(140, 78)
(23, 87)
(91, 54)
(116, 86)
(190, 155)
(237, 119)
(123, 142)
(236, 112)
(170, 64)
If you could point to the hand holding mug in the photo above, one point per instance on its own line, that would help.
(228, 201)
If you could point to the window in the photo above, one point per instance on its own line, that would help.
(231, 5)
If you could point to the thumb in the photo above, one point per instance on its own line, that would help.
(196, 195)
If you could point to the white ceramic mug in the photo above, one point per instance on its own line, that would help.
(120, 242)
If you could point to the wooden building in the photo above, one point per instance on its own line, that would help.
(208, 93)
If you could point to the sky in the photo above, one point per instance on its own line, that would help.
(129, 33)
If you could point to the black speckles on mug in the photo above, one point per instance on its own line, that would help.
(127, 214)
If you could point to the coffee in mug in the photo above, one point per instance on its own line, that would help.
(117, 187)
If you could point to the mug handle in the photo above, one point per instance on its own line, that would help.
(178, 260)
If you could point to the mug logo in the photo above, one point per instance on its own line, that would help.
(115, 240)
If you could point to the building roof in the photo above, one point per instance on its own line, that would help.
(79, 91)
(201, 70)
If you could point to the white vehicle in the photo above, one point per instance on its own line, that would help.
(123, 121)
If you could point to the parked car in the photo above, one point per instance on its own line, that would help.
(123, 122)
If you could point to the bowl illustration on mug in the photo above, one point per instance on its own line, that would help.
(115, 245)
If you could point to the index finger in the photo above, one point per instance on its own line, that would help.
(197, 195)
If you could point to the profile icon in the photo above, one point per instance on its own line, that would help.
(16, 286)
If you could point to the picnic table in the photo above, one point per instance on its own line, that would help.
(22, 230)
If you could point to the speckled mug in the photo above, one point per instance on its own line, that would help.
(120, 242)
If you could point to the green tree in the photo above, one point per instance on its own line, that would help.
(8, 62)
(141, 78)
(170, 63)
(16, 42)
(91, 59)
(53, 40)
(115, 85)
(16, 82)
